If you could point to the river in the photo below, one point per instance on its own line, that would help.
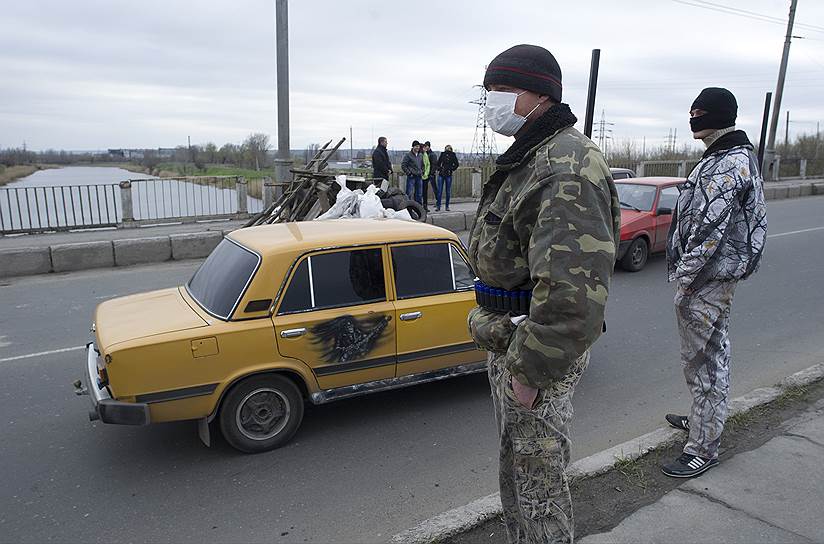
(89, 196)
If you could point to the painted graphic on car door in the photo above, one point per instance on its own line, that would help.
(334, 316)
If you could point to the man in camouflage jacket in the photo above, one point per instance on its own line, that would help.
(716, 239)
(548, 222)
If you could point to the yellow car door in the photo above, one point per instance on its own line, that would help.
(335, 316)
(434, 291)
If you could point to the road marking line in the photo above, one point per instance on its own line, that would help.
(40, 354)
(794, 232)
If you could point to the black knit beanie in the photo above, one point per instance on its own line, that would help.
(721, 108)
(527, 67)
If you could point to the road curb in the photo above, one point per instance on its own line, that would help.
(197, 245)
(464, 518)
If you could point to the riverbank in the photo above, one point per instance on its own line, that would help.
(11, 173)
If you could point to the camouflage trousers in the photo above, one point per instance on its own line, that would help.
(703, 326)
(534, 453)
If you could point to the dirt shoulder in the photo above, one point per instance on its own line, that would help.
(602, 502)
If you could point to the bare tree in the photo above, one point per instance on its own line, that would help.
(255, 148)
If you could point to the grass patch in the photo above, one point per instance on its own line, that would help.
(11, 173)
(633, 471)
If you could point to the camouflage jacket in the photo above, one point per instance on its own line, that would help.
(549, 222)
(719, 226)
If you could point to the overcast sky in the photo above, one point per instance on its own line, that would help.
(91, 74)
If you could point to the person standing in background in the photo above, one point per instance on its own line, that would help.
(447, 164)
(429, 176)
(412, 166)
(381, 166)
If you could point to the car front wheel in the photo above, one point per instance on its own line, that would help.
(636, 256)
(261, 413)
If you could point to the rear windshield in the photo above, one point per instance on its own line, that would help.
(220, 281)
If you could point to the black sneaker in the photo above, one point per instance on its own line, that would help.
(687, 466)
(679, 422)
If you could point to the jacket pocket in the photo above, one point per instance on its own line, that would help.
(490, 330)
(492, 218)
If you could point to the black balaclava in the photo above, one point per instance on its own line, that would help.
(721, 108)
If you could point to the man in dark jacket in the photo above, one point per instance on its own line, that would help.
(447, 164)
(430, 174)
(412, 166)
(716, 239)
(381, 167)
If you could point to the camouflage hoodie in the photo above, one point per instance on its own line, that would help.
(548, 220)
(719, 226)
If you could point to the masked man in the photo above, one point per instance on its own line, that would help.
(543, 247)
(716, 239)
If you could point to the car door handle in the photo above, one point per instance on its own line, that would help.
(292, 333)
(411, 316)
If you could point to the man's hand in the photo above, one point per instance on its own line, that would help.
(525, 394)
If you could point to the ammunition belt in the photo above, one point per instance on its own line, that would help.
(502, 300)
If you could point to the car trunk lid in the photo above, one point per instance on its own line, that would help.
(146, 314)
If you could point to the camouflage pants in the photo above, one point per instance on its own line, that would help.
(703, 327)
(534, 453)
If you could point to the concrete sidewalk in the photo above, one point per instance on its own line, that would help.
(771, 494)
(769, 486)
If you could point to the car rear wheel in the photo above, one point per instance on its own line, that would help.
(636, 256)
(261, 413)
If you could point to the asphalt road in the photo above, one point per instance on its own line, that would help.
(358, 470)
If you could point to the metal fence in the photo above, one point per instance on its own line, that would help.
(173, 198)
(39, 209)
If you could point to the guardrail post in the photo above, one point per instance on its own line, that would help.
(640, 172)
(268, 193)
(476, 183)
(802, 168)
(126, 201)
(777, 172)
(681, 172)
(241, 191)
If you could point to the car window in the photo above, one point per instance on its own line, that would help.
(463, 276)
(331, 280)
(298, 296)
(669, 198)
(220, 281)
(633, 195)
(428, 269)
(620, 175)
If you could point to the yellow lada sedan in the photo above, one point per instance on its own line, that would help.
(282, 314)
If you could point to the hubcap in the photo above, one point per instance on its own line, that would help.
(263, 413)
(638, 255)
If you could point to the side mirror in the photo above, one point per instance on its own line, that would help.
(664, 211)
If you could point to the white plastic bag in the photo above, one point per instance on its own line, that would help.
(370, 205)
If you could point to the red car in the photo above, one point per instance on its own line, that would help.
(646, 214)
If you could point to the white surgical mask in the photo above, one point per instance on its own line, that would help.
(500, 112)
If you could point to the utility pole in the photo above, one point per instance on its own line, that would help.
(593, 86)
(762, 141)
(283, 160)
(769, 156)
(787, 132)
(351, 150)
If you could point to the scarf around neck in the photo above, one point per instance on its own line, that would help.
(554, 119)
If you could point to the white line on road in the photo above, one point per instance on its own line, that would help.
(40, 354)
(794, 232)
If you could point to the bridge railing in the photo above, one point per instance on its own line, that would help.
(40, 209)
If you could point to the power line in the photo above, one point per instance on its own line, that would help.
(745, 13)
